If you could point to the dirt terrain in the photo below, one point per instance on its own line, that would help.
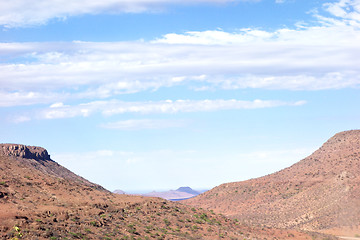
(39, 199)
(319, 193)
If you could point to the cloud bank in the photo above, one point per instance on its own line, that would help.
(115, 107)
(308, 57)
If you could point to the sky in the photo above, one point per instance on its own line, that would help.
(152, 95)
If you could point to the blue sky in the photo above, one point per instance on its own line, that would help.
(150, 95)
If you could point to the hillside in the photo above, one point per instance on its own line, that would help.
(39, 199)
(319, 193)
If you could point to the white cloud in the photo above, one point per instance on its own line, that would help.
(57, 105)
(23, 13)
(113, 107)
(331, 80)
(316, 57)
(346, 9)
(295, 60)
(216, 37)
(140, 124)
(9, 99)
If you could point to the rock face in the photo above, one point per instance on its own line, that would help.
(320, 192)
(29, 152)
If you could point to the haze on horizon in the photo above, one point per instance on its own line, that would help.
(156, 95)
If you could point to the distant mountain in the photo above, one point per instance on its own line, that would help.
(319, 193)
(188, 190)
(118, 191)
(39, 199)
(174, 195)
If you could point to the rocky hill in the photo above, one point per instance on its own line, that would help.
(319, 193)
(38, 158)
(39, 199)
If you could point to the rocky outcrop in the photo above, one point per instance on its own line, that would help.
(37, 158)
(29, 152)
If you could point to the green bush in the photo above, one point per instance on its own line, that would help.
(167, 222)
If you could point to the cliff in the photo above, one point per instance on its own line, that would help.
(29, 152)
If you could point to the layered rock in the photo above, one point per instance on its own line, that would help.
(29, 152)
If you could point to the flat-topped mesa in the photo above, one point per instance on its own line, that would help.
(29, 152)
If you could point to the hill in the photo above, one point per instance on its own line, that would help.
(319, 193)
(39, 199)
(37, 158)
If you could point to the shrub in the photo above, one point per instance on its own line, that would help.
(167, 222)
(131, 228)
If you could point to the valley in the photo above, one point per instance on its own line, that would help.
(39, 199)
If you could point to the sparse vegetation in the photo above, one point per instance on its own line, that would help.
(167, 222)
(303, 196)
(64, 208)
